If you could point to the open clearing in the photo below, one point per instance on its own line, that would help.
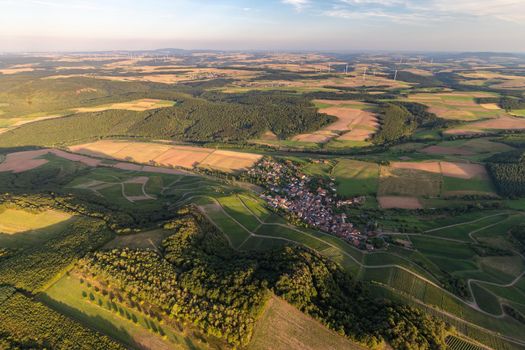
(354, 123)
(390, 202)
(141, 240)
(283, 327)
(169, 155)
(136, 105)
(14, 221)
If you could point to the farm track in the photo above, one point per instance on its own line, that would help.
(474, 305)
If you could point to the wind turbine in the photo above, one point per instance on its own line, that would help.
(364, 73)
(395, 75)
(346, 69)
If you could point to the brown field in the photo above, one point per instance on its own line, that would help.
(502, 123)
(137, 105)
(22, 161)
(457, 170)
(354, 123)
(26, 160)
(463, 170)
(391, 202)
(432, 167)
(321, 136)
(490, 106)
(168, 155)
(10, 71)
(453, 151)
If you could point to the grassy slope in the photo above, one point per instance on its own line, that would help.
(283, 327)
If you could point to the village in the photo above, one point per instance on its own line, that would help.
(312, 201)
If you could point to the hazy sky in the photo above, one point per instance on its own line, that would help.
(456, 25)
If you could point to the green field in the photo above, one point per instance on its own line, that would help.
(356, 178)
(275, 331)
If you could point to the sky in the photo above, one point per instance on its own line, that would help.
(331, 25)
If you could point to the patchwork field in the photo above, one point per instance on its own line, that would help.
(13, 221)
(168, 155)
(481, 127)
(354, 122)
(26, 160)
(494, 80)
(456, 105)
(430, 180)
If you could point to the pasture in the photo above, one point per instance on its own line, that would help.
(355, 178)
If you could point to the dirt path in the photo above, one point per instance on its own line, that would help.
(473, 305)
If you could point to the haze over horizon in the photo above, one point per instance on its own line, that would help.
(342, 25)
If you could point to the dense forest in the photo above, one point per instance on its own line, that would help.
(508, 172)
(28, 324)
(34, 266)
(201, 280)
(508, 103)
(191, 119)
(396, 123)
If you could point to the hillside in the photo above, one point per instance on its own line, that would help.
(283, 327)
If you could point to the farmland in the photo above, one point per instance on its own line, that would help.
(168, 156)
(146, 169)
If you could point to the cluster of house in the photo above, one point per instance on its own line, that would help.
(314, 203)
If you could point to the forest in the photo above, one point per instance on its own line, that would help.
(191, 119)
(508, 172)
(396, 123)
(201, 280)
(29, 324)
